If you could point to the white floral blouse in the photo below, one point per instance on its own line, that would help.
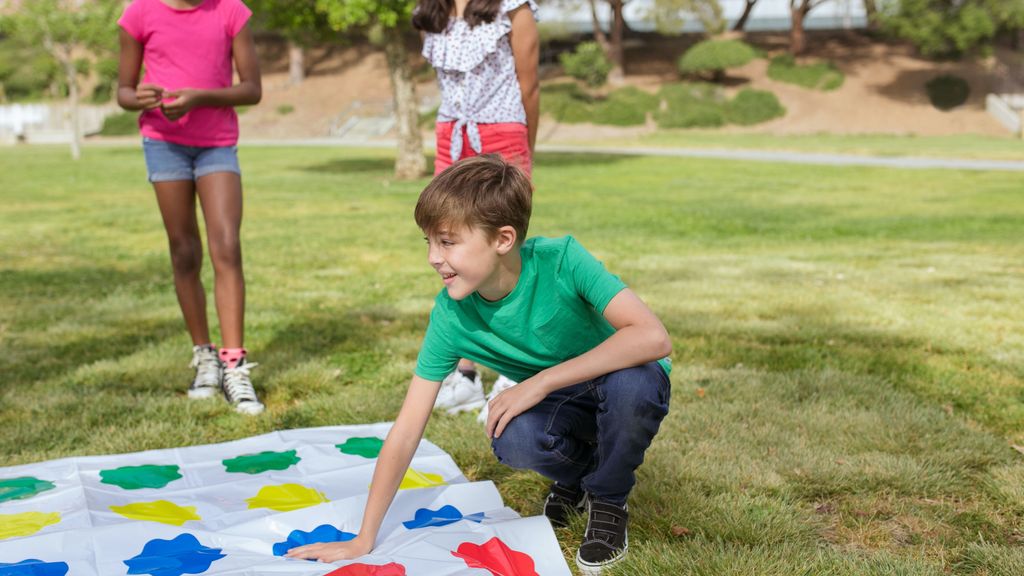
(477, 75)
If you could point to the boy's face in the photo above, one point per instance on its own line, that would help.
(467, 260)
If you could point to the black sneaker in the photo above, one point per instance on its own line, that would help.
(563, 501)
(605, 541)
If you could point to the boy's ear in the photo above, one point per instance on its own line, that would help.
(505, 239)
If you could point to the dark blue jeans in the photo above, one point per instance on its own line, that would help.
(591, 434)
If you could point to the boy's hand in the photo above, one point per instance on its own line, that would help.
(512, 403)
(184, 100)
(149, 95)
(330, 551)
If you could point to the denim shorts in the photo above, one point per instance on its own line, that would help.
(166, 161)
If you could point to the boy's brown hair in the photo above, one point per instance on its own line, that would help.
(483, 192)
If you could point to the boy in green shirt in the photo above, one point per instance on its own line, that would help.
(591, 358)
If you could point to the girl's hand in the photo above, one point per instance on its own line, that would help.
(149, 96)
(512, 403)
(184, 100)
(330, 551)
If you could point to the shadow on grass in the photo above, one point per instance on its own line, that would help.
(359, 165)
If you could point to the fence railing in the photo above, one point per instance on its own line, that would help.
(49, 121)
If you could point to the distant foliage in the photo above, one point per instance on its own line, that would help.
(716, 56)
(951, 28)
(947, 92)
(818, 76)
(588, 63)
(753, 107)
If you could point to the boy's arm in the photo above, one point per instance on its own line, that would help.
(639, 338)
(392, 463)
(249, 89)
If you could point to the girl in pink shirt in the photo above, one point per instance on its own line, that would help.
(190, 132)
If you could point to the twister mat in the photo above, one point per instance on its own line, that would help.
(238, 507)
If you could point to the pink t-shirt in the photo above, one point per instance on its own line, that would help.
(188, 49)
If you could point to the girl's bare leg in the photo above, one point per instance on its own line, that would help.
(177, 201)
(221, 197)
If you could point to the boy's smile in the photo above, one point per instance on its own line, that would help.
(469, 260)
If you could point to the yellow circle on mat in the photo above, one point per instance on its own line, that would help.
(417, 479)
(26, 523)
(159, 511)
(286, 497)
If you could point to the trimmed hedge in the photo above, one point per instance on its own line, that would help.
(818, 76)
(947, 92)
(751, 107)
(570, 104)
(122, 124)
(715, 56)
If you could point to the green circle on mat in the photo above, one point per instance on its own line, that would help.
(24, 487)
(256, 463)
(368, 447)
(136, 477)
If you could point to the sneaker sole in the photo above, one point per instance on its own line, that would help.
(453, 410)
(250, 408)
(596, 569)
(203, 392)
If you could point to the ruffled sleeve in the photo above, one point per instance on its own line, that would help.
(461, 48)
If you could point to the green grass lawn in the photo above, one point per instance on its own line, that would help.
(849, 342)
(974, 146)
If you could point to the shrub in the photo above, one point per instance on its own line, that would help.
(691, 105)
(715, 56)
(753, 107)
(587, 63)
(947, 92)
(819, 76)
(624, 107)
(285, 109)
(121, 124)
(570, 104)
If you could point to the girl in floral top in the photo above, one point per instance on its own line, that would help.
(486, 54)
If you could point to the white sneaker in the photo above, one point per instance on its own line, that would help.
(209, 372)
(239, 391)
(459, 394)
(500, 385)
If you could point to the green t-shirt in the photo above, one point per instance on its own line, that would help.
(553, 314)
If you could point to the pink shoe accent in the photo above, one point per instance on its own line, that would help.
(232, 356)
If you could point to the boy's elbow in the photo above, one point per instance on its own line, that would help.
(662, 345)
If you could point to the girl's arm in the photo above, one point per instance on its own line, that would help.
(130, 94)
(248, 91)
(526, 51)
(639, 338)
(392, 463)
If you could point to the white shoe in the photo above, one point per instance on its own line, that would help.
(239, 391)
(209, 372)
(500, 385)
(459, 394)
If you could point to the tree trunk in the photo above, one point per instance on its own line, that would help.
(742, 22)
(76, 128)
(410, 162)
(797, 38)
(871, 11)
(296, 63)
(616, 53)
(599, 34)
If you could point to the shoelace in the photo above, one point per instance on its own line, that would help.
(237, 384)
(204, 360)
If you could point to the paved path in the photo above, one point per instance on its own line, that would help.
(903, 162)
